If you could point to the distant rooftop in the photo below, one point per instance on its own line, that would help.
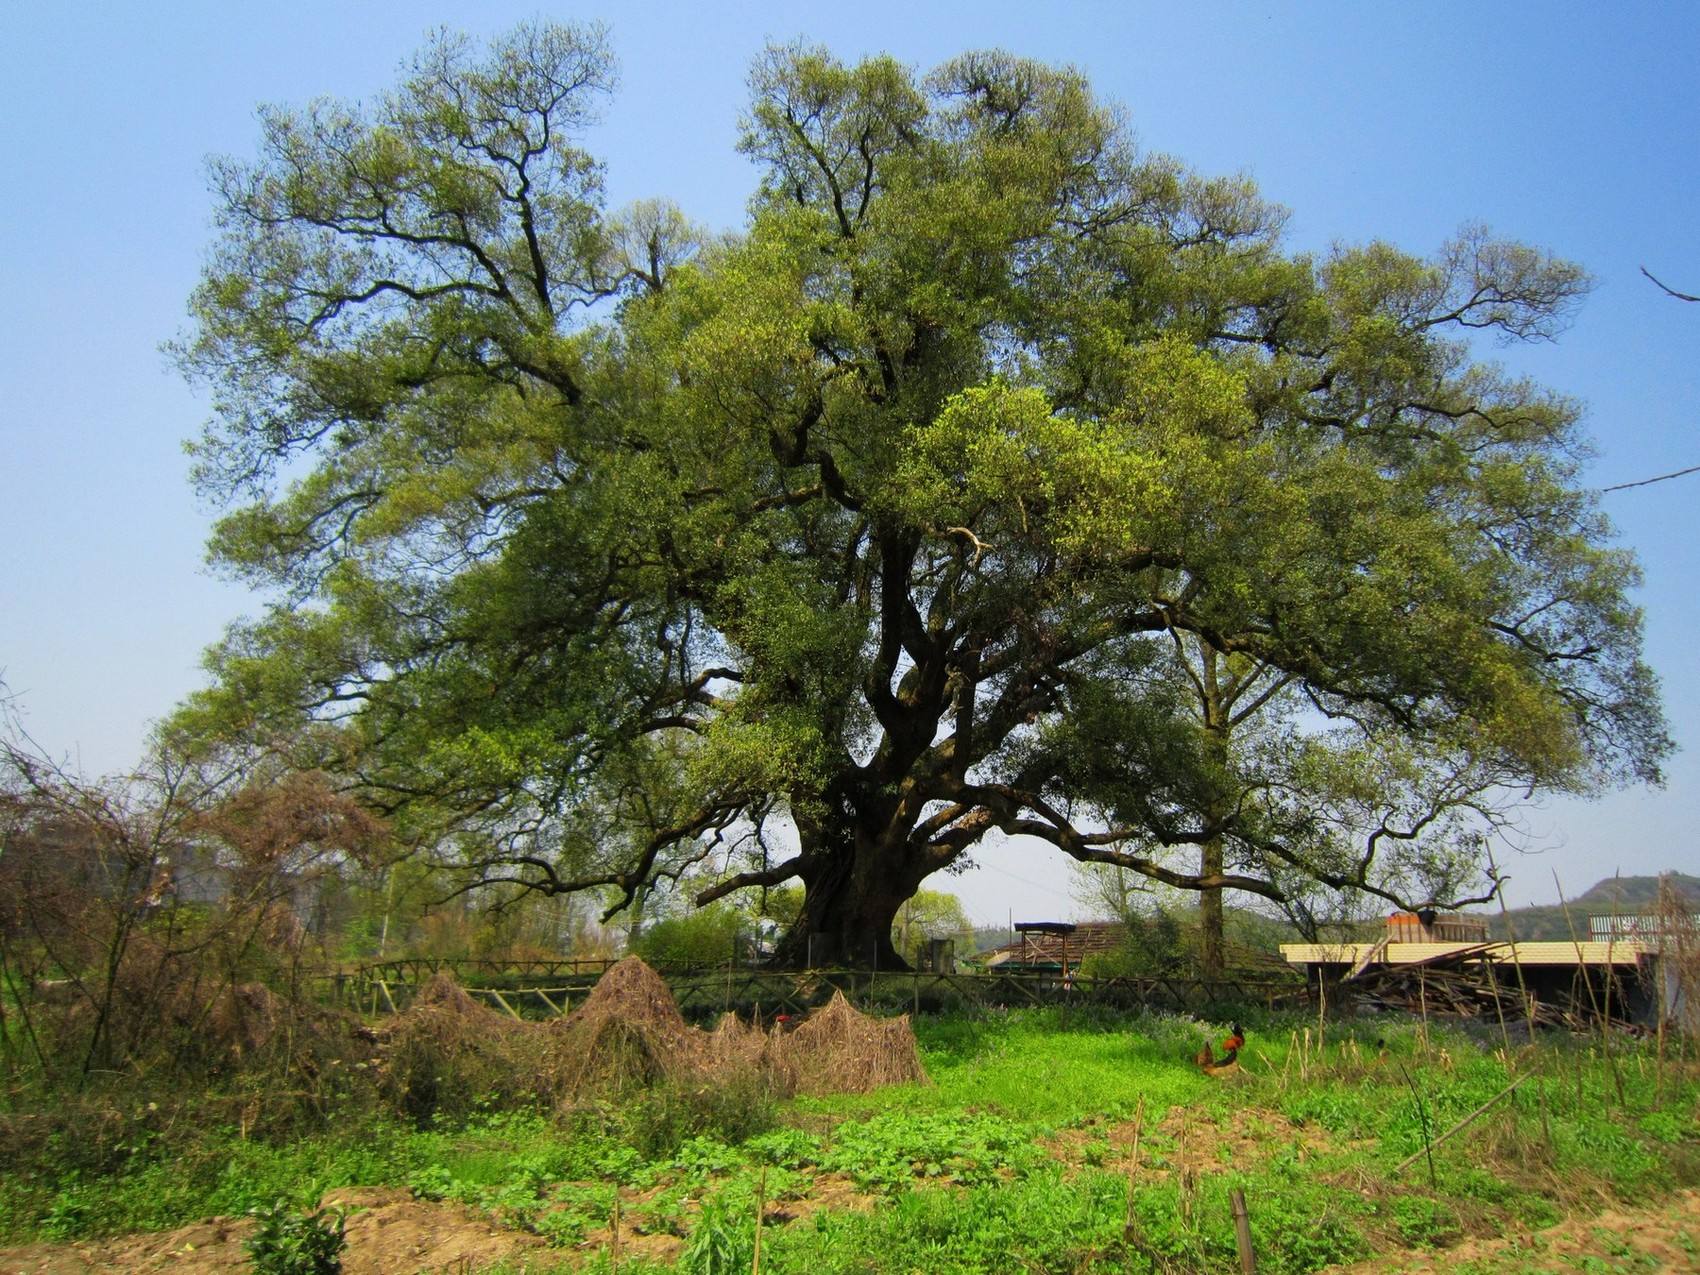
(1048, 944)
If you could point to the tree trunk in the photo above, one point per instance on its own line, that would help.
(1217, 727)
(852, 890)
(1211, 960)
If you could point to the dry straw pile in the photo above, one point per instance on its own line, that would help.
(839, 1049)
(629, 1034)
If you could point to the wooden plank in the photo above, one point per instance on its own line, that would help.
(502, 1001)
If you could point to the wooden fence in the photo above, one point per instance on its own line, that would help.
(549, 988)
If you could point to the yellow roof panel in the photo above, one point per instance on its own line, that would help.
(1562, 952)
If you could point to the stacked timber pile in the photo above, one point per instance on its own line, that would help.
(1462, 984)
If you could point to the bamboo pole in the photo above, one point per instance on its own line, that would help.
(1516, 958)
(1659, 1084)
(1183, 1181)
(1422, 1117)
(761, 1209)
(1242, 1232)
(1422, 1000)
(503, 1002)
(1499, 1009)
(1130, 1226)
(1321, 1016)
(1429, 1146)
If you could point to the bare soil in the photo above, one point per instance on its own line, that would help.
(1663, 1237)
(1199, 1142)
(391, 1233)
(388, 1231)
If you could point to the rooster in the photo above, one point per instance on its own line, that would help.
(1231, 1044)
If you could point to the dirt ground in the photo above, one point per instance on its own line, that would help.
(1663, 1238)
(1200, 1144)
(389, 1233)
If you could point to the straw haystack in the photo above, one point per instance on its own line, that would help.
(628, 1031)
(839, 1049)
(629, 1034)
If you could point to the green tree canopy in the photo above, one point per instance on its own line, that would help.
(610, 546)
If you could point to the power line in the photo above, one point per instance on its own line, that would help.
(1646, 482)
(1037, 885)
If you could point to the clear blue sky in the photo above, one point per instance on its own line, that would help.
(1570, 126)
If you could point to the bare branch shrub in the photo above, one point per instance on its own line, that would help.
(150, 922)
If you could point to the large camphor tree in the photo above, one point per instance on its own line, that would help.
(994, 478)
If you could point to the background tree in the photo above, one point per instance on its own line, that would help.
(706, 936)
(927, 915)
(610, 547)
(1275, 774)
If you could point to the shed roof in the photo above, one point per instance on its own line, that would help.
(1562, 952)
(1047, 946)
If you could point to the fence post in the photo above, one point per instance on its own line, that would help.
(1242, 1232)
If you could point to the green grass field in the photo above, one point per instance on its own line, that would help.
(1019, 1156)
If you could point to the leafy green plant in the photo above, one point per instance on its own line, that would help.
(787, 1148)
(889, 1151)
(1422, 1220)
(288, 1242)
(433, 1182)
(1668, 1126)
(720, 1243)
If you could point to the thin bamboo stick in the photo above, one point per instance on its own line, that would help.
(761, 1208)
(1588, 982)
(1130, 1226)
(1430, 1145)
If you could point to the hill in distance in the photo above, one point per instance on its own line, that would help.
(1625, 896)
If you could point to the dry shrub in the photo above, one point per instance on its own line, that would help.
(735, 1045)
(243, 1020)
(171, 1011)
(443, 999)
(139, 916)
(839, 1049)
